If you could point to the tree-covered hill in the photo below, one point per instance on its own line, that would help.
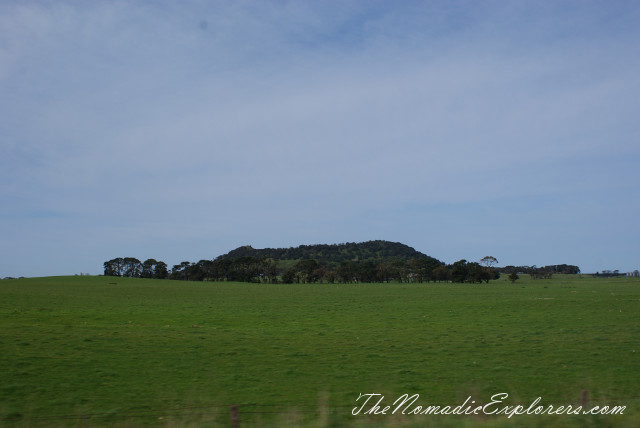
(333, 253)
(372, 261)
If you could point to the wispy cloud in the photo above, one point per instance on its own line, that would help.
(179, 131)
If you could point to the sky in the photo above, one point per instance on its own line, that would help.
(182, 130)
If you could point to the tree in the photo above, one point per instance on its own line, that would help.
(289, 276)
(513, 277)
(442, 273)
(180, 271)
(200, 271)
(220, 269)
(132, 267)
(488, 261)
(161, 271)
(148, 268)
(244, 269)
(269, 270)
(330, 275)
(459, 271)
(113, 267)
(477, 273)
(306, 270)
(489, 272)
(152, 268)
(422, 268)
(347, 272)
(386, 272)
(367, 271)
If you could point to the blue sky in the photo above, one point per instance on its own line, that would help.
(182, 130)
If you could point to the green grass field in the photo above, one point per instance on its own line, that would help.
(102, 351)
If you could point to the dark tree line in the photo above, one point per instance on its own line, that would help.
(305, 271)
(607, 273)
(131, 267)
(544, 272)
(349, 271)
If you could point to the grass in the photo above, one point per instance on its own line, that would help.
(133, 352)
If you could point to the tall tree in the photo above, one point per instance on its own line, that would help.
(180, 271)
(149, 268)
(161, 271)
(347, 272)
(114, 267)
(488, 261)
(132, 267)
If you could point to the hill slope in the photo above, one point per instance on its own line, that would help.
(333, 253)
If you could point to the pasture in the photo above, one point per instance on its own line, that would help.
(103, 351)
